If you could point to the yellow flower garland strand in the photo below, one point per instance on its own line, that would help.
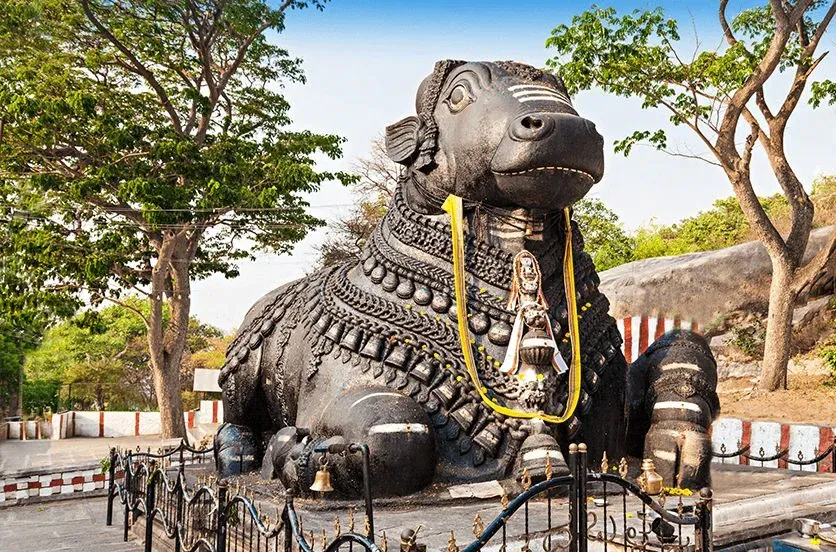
(453, 207)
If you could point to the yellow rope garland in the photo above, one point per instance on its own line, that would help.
(453, 207)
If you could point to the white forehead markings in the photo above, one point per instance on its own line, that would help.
(557, 99)
(532, 92)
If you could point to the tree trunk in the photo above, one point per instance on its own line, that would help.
(167, 341)
(169, 400)
(778, 339)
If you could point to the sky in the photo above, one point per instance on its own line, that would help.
(363, 61)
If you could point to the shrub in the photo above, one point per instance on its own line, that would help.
(828, 354)
(750, 338)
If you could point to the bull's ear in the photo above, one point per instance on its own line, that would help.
(402, 140)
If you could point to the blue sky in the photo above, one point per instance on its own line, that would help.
(364, 59)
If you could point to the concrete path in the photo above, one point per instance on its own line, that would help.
(77, 524)
(28, 456)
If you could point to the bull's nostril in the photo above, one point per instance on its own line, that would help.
(532, 123)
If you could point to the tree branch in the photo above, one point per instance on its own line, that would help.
(138, 66)
(764, 69)
(125, 305)
(727, 32)
(803, 72)
(825, 22)
(808, 273)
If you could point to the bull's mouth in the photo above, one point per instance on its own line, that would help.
(547, 168)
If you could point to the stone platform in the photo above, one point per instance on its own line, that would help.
(750, 504)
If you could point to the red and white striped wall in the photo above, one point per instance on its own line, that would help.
(47, 484)
(639, 332)
(765, 438)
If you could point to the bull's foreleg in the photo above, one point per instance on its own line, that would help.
(672, 402)
(239, 441)
(393, 425)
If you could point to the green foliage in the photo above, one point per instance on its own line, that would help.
(823, 91)
(89, 138)
(828, 354)
(146, 144)
(635, 55)
(750, 339)
(40, 395)
(99, 359)
(604, 236)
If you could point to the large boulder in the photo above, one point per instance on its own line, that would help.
(702, 286)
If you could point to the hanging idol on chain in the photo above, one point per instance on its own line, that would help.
(533, 355)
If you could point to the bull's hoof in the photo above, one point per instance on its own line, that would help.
(279, 450)
(237, 450)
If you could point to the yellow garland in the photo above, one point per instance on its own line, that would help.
(453, 207)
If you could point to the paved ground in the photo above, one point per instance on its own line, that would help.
(17, 456)
(77, 524)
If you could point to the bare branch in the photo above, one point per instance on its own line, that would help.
(693, 127)
(825, 22)
(124, 305)
(727, 32)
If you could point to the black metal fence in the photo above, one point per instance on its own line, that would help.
(819, 458)
(557, 514)
(210, 516)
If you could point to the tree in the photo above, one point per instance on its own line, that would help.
(603, 234)
(26, 310)
(714, 94)
(100, 359)
(144, 144)
(375, 185)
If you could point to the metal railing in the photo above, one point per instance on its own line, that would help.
(213, 516)
(641, 521)
(210, 516)
(745, 451)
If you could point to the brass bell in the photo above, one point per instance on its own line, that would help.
(650, 481)
(322, 481)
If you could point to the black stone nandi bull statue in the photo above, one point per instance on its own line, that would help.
(370, 352)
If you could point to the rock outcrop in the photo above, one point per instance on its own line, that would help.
(703, 286)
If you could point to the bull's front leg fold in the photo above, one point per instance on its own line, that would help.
(672, 402)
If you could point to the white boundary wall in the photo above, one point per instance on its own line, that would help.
(87, 423)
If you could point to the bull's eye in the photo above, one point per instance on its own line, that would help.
(459, 98)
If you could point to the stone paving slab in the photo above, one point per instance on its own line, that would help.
(77, 525)
(45, 455)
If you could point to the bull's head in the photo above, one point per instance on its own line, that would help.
(502, 134)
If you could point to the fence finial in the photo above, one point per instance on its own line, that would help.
(526, 479)
(478, 526)
(451, 544)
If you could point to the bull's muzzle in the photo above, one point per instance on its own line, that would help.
(548, 158)
(545, 139)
